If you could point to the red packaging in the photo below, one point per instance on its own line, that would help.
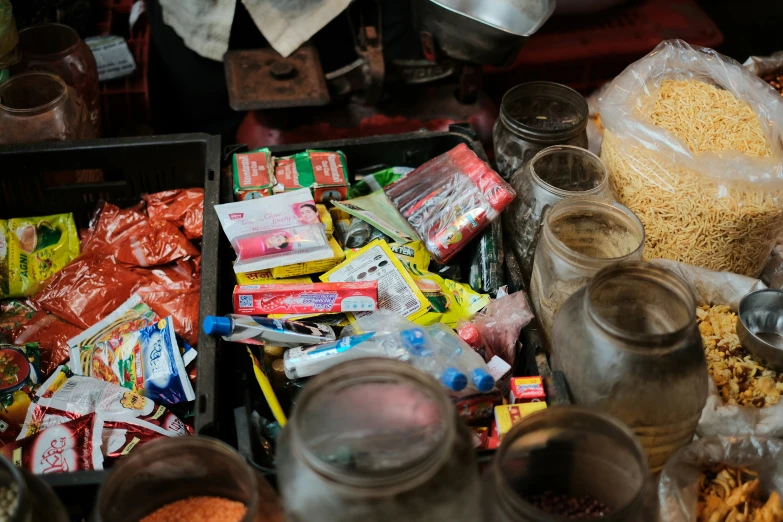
(480, 436)
(183, 208)
(253, 174)
(52, 334)
(120, 436)
(325, 173)
(527, 389)
(472, 406)
(72, 446)
(306, 298)
(182, 304)
(14, 314)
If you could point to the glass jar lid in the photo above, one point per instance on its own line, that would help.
(544, 112)
(373, 422)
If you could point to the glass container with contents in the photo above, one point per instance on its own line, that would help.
(568, 463)
(376, 439)
(627, 343)
(554, 174)
(534, 116)
(26, 498)
(185, 478)
(580, 237)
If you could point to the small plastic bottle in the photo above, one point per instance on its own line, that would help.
(463, 356)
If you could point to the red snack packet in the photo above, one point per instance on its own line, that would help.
(181, 304)
(52, 334)
(72, 446)
(121, 435)
(183, 208)
(14, 313)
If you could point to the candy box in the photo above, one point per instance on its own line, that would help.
(253, 174)
(305, 299)
(311, 267)
(507, 415)
(472, 406)
(325, 173)
(527, 389)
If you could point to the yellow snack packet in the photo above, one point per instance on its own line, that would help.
(264, 277)
(326, 219)
(397, 290)
(34, 248)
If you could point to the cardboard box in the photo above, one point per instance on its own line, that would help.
(311, 267)
(526, 389)
(253, 174)
(325, 173)
(305, 299)
(507, 415)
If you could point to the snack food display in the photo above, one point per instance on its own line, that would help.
(728, 494)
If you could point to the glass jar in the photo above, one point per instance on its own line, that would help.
(376, 439)
(57, 48)
(38, 106)
(579, 237)
(627, 343)
(554, 174)
(26, 498)
(534, 116)
(571, 451)
(171, 469)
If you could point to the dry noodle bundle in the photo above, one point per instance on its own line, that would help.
(689, 217)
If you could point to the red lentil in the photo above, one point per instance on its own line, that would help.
(199, 509)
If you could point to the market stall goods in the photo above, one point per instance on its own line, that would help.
(199, 509)
(728, 494)
(740, 379)
(569, 507)
(692, 148)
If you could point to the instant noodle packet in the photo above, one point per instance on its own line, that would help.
(72, 446)
(64, 397)
(34, 248)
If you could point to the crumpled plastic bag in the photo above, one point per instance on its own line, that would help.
(500, 323)
(718, 418)
(52, 334)
(762, 65)
(677, 489)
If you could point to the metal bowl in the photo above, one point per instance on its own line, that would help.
(760, 326)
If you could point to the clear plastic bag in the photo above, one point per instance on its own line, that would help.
(450, 199)
(718, 209)
(677, 489)
(762, 65)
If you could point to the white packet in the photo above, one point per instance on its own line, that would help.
(278, 230)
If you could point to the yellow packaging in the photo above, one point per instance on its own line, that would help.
(34, 248)
(397, 290)
(326, 219)
(311, 267)
(339, 214)
(337, 319)
(507, 415)
(264, 277)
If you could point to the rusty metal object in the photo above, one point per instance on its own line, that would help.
(370, 49)
(262, 79)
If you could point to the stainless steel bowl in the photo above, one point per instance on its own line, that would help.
(760, 326)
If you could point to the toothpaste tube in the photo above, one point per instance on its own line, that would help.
(306, 299)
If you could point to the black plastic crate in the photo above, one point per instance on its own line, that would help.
(131, 167)
(362, 155)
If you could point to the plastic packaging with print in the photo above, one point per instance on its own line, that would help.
(276, 231)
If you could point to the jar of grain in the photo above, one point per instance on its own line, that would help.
(579, 237)
(553, 175)
(628, 344)
(377, 439)
(534, 116)
(569, 462)
(26, 498)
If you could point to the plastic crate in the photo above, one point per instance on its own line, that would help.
(131, 167)
(125, 102)
(362, 154)
(588, 50)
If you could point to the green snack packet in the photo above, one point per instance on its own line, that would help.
(377, 180)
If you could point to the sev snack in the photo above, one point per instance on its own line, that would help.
(689, 217)
(740, 380)
(729, 494)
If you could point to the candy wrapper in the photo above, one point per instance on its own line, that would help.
(147, 361)
(72, 446)
(184, 208)
(450, 199)
(32, 249)
(65, 397)
(275, 231)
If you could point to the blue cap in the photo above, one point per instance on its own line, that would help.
(454, 379)
(413, 337)
(216, 325)
(482, 380)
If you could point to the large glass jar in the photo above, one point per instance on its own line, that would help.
(376, 439)
(554, 174)
(57, 48)
(534, 116)
(172, 469)
(26, 498)
(38, 106)
(574, 452)
(627, 343)
(579, 237)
